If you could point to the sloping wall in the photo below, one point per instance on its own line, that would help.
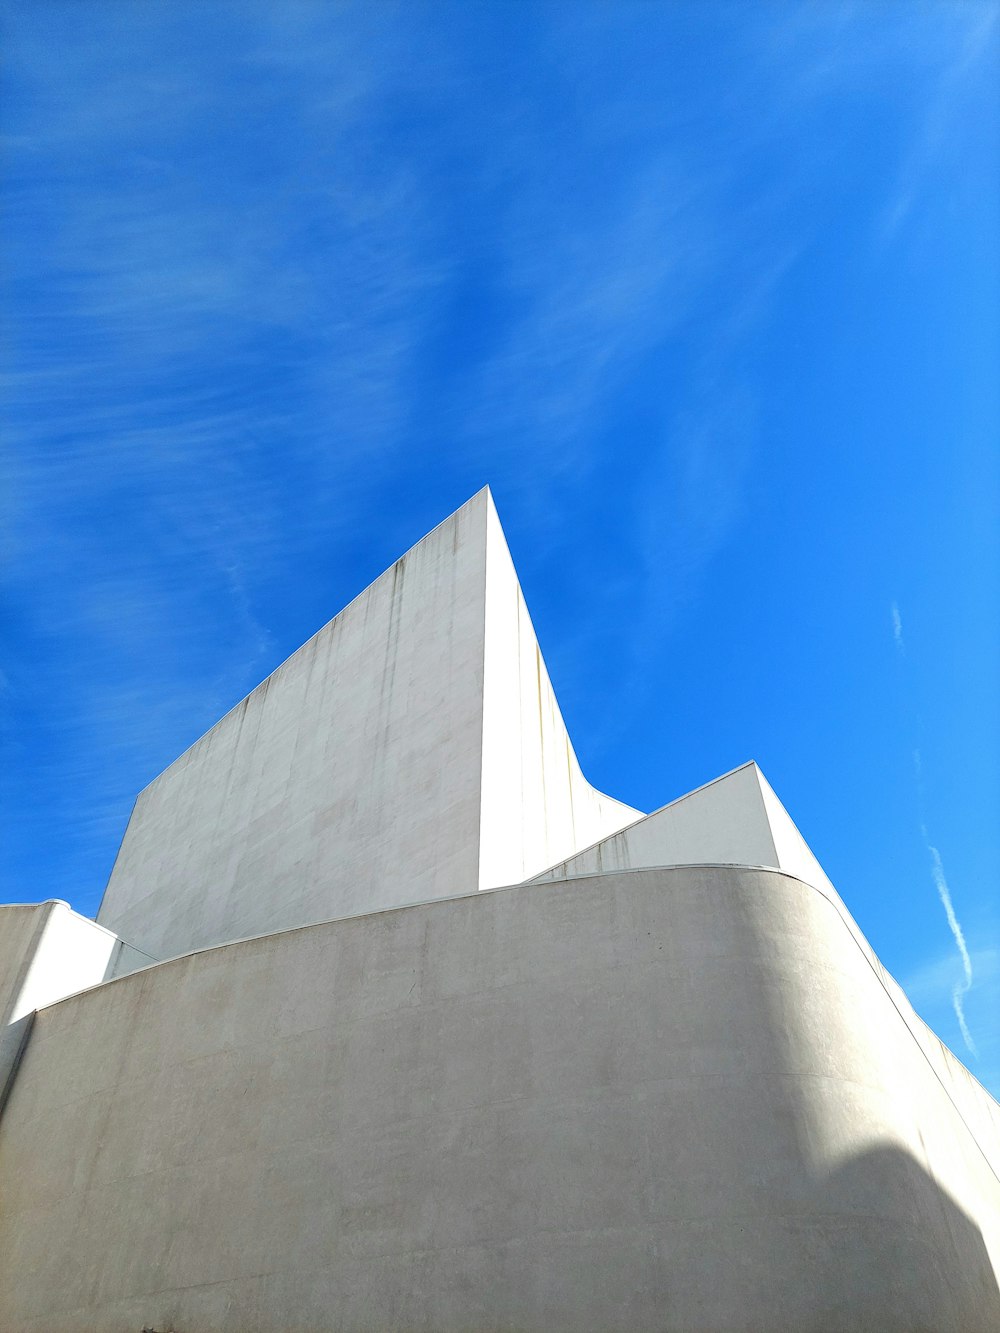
(537, 806)
(48, 951)
(792, 850)
(411, 748)
(670, 1099)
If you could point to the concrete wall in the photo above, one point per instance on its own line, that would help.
(20, 928)
(21, 925)
(671, 1099)
(47, 951)
(738, 819)
(395, 758)
(337, 780)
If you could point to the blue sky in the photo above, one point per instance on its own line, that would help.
(708, 293)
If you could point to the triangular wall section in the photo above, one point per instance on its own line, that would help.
(734, 820)
(791, 849)
(537, 807)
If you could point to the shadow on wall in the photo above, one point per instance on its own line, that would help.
(13, 1039)
(905, 1246)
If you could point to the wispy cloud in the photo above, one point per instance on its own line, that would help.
(200, 393)
(276, 266)
(936, 978)
(930, 988)
(897, 629)
(962, 987)
(963, 984)
(967, 53)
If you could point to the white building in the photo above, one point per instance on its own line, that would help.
(389, 1020)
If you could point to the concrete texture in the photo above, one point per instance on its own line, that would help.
(47, 951)
(673, 1099)
(640, 1090)
(413, 747)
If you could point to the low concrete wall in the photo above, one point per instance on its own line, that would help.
(672, 1099)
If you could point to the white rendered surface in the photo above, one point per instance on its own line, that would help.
(617, 1095)
(661, 1099)
(412, 747)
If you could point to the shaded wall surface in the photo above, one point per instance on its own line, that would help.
(48, 951)
(670, 1099)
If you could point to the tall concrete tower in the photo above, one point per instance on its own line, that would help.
(390, 1020)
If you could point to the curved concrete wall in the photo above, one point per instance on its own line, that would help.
(672, 1099)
